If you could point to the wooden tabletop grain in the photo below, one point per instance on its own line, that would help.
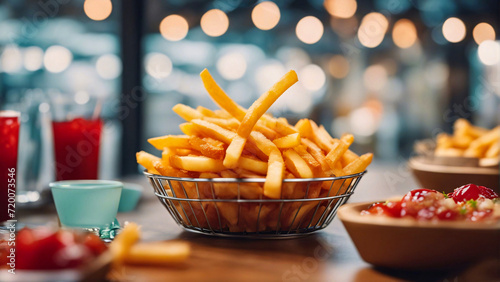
(328, 255)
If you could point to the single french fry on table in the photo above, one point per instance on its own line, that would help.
(122, 243)
(158, 253)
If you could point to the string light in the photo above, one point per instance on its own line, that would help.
(489, 52)
(343, 9)
(482, 32)
(33, 58)
(57, 58)
(309, 30)
(232, 66)
(338, 66)
(266, 15)
(454, 30)
(312, 77)
(404, 33)
(372, 29)
(158, 65)
(174, 28)
(11, 59)
(214, 23)
(108, 66)
(97, 10)
(375, 77)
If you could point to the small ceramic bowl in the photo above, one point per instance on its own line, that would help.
(410, 244)
(86, 203)
(131, 194)
(446, 177)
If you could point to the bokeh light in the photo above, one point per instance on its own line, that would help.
(312, 77)
(372, 30)
(363, 122)
(345, 28)
(174, 27)
(232, 66)
(12, 59)
(309, 30)
(489, 52)
(108, 66)
(338, 66)
(82, 97)
(482, 32)
(454, 30)
(341, 8)
(214, 23)
(266, 15)
(98, 10)
(375, 77)
(404, 33)
(267, 75)
(158, 65)
(33, 58)
(57, 58)
(298, 100)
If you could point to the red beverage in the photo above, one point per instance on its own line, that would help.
(76, 147)
(9, 139)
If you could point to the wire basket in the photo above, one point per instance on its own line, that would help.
(236, 207)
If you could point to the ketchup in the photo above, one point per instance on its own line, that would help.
(427, 204)
(472, 192)
(45, 249)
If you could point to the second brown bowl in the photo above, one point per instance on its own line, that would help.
(410, 244)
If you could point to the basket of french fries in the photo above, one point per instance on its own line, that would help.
(471, 154)
(242, 172)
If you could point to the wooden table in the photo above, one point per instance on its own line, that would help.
(328, 255)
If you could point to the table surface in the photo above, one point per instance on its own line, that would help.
(328, 255)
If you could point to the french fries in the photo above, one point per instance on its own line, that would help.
(125, 249)
(470, 141)
(170, 141)
(234, 142)
(288, 141)
(147, 160)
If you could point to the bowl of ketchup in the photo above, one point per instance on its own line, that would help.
(426, 229)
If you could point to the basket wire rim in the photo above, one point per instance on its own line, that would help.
(250, 180)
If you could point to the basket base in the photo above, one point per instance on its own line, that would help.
(283, 235)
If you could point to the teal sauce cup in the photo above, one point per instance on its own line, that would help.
(131, 194)
(86, 203)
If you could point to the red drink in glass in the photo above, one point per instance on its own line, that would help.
(9, 139)
(76, 147)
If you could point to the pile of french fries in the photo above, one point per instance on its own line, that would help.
(469, 141)
(234, 142)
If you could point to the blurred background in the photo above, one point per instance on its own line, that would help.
(389, 71)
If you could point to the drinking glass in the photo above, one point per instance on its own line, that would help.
(9, 139)
(77, 136)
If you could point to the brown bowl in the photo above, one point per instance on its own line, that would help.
(411, 244)
(446, 177)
